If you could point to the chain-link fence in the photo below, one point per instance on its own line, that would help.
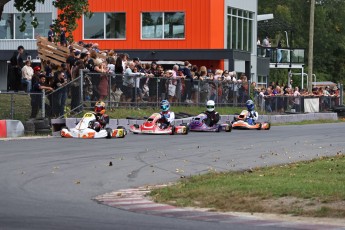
(142, 91)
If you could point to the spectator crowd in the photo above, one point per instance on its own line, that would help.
(123, 81)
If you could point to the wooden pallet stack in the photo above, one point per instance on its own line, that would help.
(56, 54)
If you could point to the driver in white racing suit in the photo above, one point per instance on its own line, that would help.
(252, 114)
(167, 117)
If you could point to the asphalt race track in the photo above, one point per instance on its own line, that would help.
(50, 183)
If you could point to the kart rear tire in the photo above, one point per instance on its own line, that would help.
(187, 130)
(259, 128)
(268, 126)
(136, 126)
(228, 129)
(109, 132)
(172, 130)
(218, 129)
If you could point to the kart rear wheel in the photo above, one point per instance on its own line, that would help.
(187, 130)
(228, 128)
(109, 132)
(258, 128)
(136, 126)
(268, 126)
(172, 130)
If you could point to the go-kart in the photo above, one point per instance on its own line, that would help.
(198, 124)
(241, 122)
(84, 129)
(153, 125)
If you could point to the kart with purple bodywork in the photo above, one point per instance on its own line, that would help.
(198, 124)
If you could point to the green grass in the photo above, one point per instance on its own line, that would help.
(311, 188)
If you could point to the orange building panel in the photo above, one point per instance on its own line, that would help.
(204, 23)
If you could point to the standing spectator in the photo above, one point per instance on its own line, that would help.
(17, 64)
(119, 71)
(266, 43)
(268, 99)
(297, 100)
(36, 98)
(188, 81)
(204, 85)
(103, 85)
(75, 86)
(129, 82)
(59, 95)
(63, 40)
(152, 82)
(27, 73)
(51, 33)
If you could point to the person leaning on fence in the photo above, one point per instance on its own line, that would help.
(60, 93)
(36, 96)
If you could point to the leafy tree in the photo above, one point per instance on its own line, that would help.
(329, 34)
(70, 11)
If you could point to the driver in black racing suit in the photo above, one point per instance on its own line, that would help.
(212, 115)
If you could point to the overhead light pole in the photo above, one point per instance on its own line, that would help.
(311, 45)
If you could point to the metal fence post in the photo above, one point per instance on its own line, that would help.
(43, 103)
(12, 107)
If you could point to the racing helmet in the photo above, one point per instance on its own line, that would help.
(165, 106)
(210, 105)
(100, 107)
(250, 105)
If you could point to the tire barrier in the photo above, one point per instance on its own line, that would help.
(11, 128)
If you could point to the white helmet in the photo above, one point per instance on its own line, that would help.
(210, 105)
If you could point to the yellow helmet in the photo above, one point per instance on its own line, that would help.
(100, 107)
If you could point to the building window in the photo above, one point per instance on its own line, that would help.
(10, 26)
(240, 26)
(6, 26)
(105, 26)
(166, 25)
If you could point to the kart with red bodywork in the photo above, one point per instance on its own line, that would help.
(154, 125)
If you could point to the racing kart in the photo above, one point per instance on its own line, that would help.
(241, 122)
(84, 129)
(198, 125)
(153, 125)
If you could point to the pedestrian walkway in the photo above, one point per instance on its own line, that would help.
(135, 200)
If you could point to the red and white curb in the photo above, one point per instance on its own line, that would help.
(134, 200)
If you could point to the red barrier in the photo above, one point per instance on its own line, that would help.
(3, 128)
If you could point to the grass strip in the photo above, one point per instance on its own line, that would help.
(310, 188)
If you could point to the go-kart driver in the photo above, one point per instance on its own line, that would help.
(212, 115)
(252, 114)
(102, 119)
(166, 115)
